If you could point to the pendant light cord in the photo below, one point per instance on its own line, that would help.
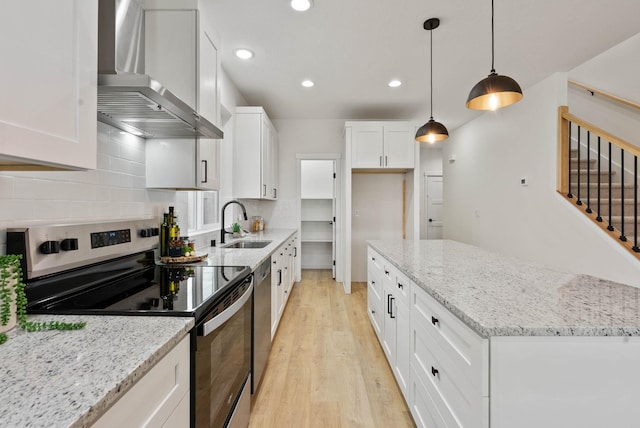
(493, 70)
(431, 69)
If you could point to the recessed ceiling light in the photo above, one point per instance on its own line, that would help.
(307, 83)
(395, 83)
(301, 5)
(244, 53)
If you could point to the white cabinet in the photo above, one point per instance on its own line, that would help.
(183, 164)
(159, 399)
(181, 52)
(282, 279)
(48, 83)
(394, 322)
(375, 291)
(449, 367)
(255, 155)
(382, 145)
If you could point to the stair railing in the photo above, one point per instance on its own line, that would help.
(593, 162)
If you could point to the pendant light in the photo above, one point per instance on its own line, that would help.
(431, 131)
(495, 91)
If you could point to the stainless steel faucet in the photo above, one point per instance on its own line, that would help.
(223, 232)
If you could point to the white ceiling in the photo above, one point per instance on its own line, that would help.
(352, 48)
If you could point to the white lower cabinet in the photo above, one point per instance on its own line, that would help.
(282, 279)
(440, 364)
(159, 399)
(389, 313)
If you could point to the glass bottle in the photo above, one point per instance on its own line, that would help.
(164, 236)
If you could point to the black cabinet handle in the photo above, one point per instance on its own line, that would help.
(279, 277)
(386, 272)
(295, 251)
(400, 286)
(389, 304)
(264, 190)
(434, 371)
(373, 312)
(435, 320)
(205, 171)
(391, 308)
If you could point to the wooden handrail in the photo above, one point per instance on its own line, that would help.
(628, 147)
(606, 95)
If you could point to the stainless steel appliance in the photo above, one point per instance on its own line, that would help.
(128, 98)
(110, 268)
(261, 322)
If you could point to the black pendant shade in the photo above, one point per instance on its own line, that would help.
(494, 91)
(431, 131)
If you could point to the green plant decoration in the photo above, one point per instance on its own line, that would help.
(11, 274)
(235, 227)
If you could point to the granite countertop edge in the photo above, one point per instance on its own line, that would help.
(511, 330)
(118, 391)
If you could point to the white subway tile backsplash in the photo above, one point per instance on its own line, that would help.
(6, 187)
(116, 189)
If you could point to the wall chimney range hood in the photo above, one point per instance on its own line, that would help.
(128, 99)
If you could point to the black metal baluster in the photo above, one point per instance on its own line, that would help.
(569, 195)
(579, 202)
(589, 210)
(599, 217)
(623, 238)
(610, 226)
(636, 248)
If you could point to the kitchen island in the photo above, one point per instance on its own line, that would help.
(70, 378)
(483, 339)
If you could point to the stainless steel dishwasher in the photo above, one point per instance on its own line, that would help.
(261, 333)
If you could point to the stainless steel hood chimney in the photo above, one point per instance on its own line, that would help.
(128, 99)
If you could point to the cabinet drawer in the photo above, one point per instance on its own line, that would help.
(374, 306)
(402, 290)
(423, 409)
(465, 354)
(155, 397)
(457, 401)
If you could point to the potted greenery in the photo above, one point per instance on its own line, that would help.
(235, 228)
(13, 302)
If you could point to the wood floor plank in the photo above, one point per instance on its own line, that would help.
(326, 367)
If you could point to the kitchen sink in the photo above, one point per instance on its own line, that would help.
(247, 244)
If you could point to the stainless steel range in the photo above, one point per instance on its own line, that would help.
(110, 268)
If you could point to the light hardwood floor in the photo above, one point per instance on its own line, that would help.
(326, 367)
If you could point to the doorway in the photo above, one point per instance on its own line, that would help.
(433, 206)
(318, 213)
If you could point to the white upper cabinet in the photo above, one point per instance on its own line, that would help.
(382, 145)
(181, 53)
(255, 155)
(48, 83)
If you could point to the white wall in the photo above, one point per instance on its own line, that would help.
(486, 205)
(114, 191)
(616, 72)
(378, 200)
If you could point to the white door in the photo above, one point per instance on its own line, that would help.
(433, 203)
(333, 223)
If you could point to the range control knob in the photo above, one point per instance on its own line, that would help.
(69, 244)
(146, 233)
(49, 247)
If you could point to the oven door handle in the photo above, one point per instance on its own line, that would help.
(224, 316)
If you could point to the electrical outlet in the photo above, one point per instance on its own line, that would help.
(356, 213)
(524, 181)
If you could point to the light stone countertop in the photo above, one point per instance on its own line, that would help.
(498, 295)
(252, 257)
(70, 378)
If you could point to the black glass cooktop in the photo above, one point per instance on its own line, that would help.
(135, 286)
